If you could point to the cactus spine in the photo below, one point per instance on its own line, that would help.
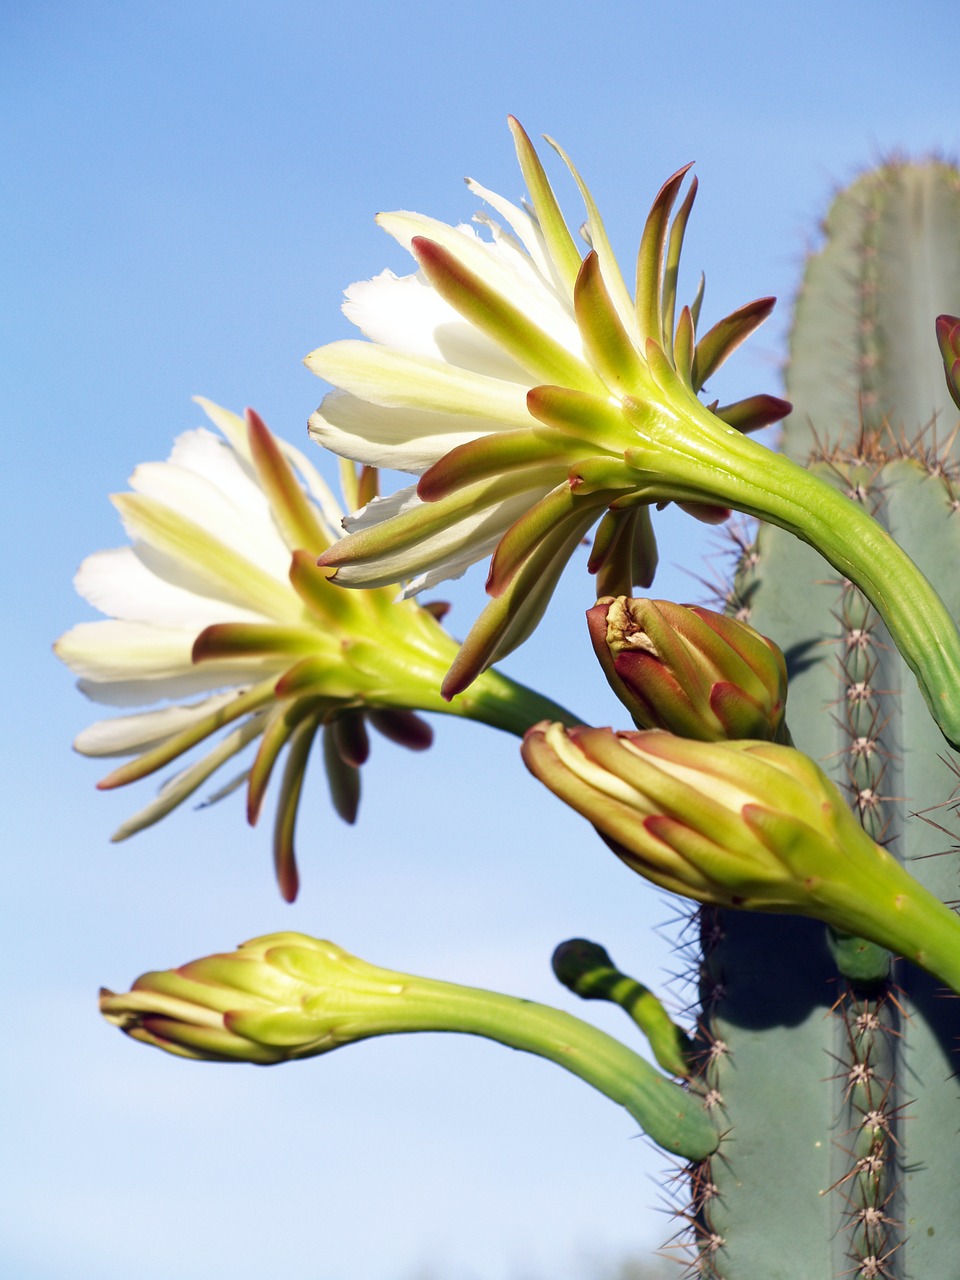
(832, 1068)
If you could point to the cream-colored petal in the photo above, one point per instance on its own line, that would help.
(130, 663)
(403, 439)
(235, 430)
(129, 735)
(438, 556)
(180, 549)
(120, 583)
(395, 378)
(525, 227)
(112, 650)
(238, 516)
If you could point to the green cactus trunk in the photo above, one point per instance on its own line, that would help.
(831, 1067)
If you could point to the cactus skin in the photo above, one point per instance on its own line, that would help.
(840, 1095)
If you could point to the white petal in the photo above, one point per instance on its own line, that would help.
(119, 583)
(177, 548)
(397, 379)
(234, 511)
(235, 429)
(396, 438)
(118, 650)
(516, 279)
(525, 227)
(407, 313)
(231, 424)
(129, 735)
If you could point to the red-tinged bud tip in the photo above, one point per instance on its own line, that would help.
(691, 671)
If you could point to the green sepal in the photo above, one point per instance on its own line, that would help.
(606, 340)
(726, 335)
(653, 242)
(561, 245)
(491, 455)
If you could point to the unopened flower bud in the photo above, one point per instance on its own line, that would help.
(744, 824)
(948, 337)
(276, 998)
(586, 969)
(287, 996)
(695, 672)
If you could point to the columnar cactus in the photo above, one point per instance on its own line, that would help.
(833, 1068)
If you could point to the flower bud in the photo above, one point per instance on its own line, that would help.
(697, 673)
(287, 996)
(586, 969)
(276, 998)
(948, 338)
(743, 824)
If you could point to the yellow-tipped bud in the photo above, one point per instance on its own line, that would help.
(744, 824)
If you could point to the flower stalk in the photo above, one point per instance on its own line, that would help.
(586, 969)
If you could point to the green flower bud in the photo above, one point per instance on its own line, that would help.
(586, 969)
(287, 996)
(744, 824)
(694, 672)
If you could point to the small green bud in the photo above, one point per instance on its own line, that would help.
(586, 969)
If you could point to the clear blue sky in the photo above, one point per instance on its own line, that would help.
(187, 190)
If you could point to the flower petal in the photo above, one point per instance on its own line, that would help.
(119, 583)
(396, 379)
(407, 314)
(403, 439)
(497, 269)
(126, 663)
(231, 508)
(401, 536)
(493, 312)
(216, 564)
(525, 227)
(235, 430)
(128, 735)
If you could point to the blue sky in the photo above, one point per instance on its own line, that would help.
(188, 189)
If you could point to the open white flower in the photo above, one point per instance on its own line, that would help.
(531, 393)
(220, 595)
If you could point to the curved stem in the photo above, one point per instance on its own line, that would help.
(672, 1116)
(701, 457)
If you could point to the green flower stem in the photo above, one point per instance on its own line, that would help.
(900, 915)
(721, 465)
(499, 701)
(411, 677)
(673, 1117)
